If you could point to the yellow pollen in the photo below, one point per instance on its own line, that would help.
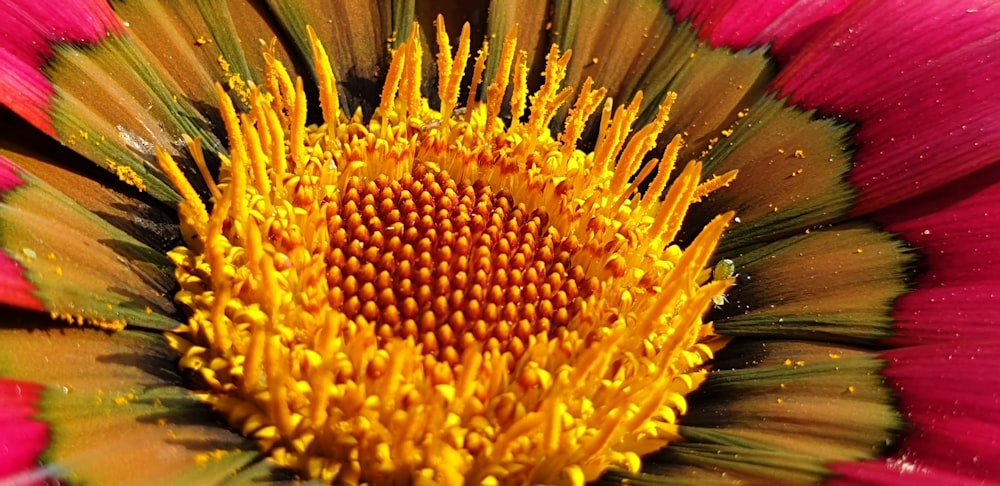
(128, 175)
(445, 295)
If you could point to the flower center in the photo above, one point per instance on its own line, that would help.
(449, 264)
(441, 295)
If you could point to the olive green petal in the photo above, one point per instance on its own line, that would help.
(792, 170)
(533, 22)
(115, 108)
(84, 268)
(202, 43)
(648, 52)
(100, 193)
(356, 35)
(836, 284)
(117, 410)
(630, 47)
(260, 472)
(779, 412)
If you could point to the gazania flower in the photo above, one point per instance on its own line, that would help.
(347, 243)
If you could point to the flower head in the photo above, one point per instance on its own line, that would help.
(435, 294)
(480, 269)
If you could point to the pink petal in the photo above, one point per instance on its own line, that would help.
(8, 176)
(14, 288)
(955, 232)
(950, 312)
(919, 77)
(22, 438)
(898, 472)
(30, 30)
(950, 397)
(922, 79)
(950, 394)
(738, 24)
(949, 391)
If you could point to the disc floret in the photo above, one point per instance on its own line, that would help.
(438, 294)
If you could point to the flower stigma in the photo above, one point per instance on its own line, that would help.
(443, 295)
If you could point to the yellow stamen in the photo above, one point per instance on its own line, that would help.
(298, 124)
(545, 102)
(586, 102)
(413, 77)
(433, 298)
(451, 71)
(498, 88)
(327, 81)
(193, 212)
(391, 87)
(194, 147)
(519, 97)
(666, 167)
(477, 78)
(714, 184)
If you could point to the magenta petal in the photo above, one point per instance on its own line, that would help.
(955, 230)
(22, 438)
(14, 288)
(951, 312)
(923, 80)
(740, 23)
(8, 176)
(30, 30)
(920, 78)
(949, 391)
(24, 89)
(950, 394)
(897, 472)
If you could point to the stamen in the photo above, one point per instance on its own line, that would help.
(498, 88)
(519, 97)
(675, 204)
(328, 98)
(257, 157)
(297, 140)
(195, 214)
(451, 71)
(194, 147)
(413, 76)
(547, 99)
(392, 87)
(586, 102)
(643, 141)
(422, 296)
(714, 184)
(477, 79)
(666, 167)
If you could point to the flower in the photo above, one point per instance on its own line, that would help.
(320, 377)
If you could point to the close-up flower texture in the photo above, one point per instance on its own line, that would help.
(508, 242)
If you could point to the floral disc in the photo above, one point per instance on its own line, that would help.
(442, 294)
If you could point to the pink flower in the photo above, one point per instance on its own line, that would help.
(855, 345)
